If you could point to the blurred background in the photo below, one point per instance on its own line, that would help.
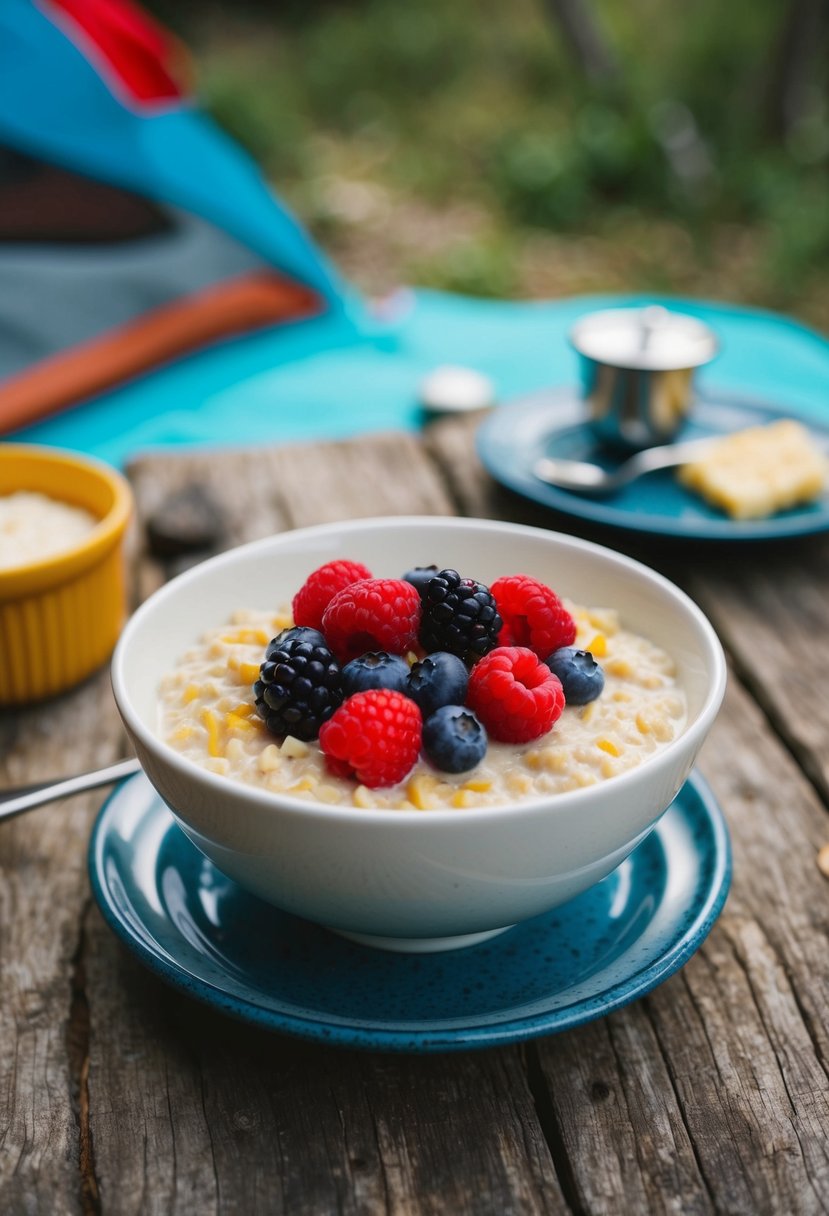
(539, 148)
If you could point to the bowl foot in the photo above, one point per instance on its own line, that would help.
(421, 945)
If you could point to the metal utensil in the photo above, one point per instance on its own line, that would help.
(16, 801)
(587, 478)
(637, 367)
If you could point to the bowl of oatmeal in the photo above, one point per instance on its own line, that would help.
(62, 587)
(429, 859)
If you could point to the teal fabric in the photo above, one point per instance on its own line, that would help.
(323, 378)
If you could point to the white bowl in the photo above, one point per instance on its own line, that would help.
(415, 880)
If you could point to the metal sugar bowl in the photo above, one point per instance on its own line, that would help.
(637, 368)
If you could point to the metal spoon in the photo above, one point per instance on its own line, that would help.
(587, 478)
(26, 798)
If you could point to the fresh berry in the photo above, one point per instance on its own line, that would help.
(299, 685)
(459, 615)
(299, 633)
(533, 615)
(376, 669)
(375, 614)
(374, 736)
(581, 676)
(419, 576)
(438, 679)
(454, 739)
(515, 695)
(316, 593)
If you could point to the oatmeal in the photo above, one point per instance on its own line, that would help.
(208, 714)
(34, 526)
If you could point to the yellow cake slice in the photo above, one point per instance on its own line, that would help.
(759, 471)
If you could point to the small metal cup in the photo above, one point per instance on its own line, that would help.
(637, 369)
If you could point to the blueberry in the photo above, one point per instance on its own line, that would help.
(439, 679)
(419, 576)
(375, 669)
(581, 676)
(453, 739)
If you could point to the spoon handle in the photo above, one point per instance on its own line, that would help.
(666, 456)
(16, 801)
(574, 475)
(582, 476)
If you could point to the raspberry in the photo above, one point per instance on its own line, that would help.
(533, 615)
(515, 695)
(459, 615)
(374, 736)
(374, 614)
(320, 587)
(299, 685)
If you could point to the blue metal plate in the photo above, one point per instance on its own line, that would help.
(552, 423)
(203, 934)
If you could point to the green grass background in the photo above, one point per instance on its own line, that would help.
(456, 144)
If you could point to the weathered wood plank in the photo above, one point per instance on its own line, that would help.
(771, 610)
(709, 1095)
(194, 1113)
(450, 442)
(43, 893)
(266, 490)
(238, 481)
(608, 1090)
(146, 1090)
(346, 1132)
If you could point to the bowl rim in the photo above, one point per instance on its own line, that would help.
(284, 804)
(55, 568)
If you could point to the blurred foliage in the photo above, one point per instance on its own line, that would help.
(442, 103)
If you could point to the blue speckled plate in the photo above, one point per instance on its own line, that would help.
(205, 935)
(551, 423)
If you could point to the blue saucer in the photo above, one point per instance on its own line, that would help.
(552, 423)
(202, 933)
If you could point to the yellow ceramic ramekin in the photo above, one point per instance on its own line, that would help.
(60, 616)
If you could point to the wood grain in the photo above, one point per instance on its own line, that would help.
(118, 1095)
(771, 612)
(43, 896)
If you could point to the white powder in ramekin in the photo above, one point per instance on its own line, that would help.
(34, 526)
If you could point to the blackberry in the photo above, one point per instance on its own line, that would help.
(459, 615)
(299, 685)
(297, 633)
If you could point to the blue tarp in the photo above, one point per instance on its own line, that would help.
(321, 378)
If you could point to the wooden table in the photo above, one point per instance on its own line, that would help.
(118, 1095)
